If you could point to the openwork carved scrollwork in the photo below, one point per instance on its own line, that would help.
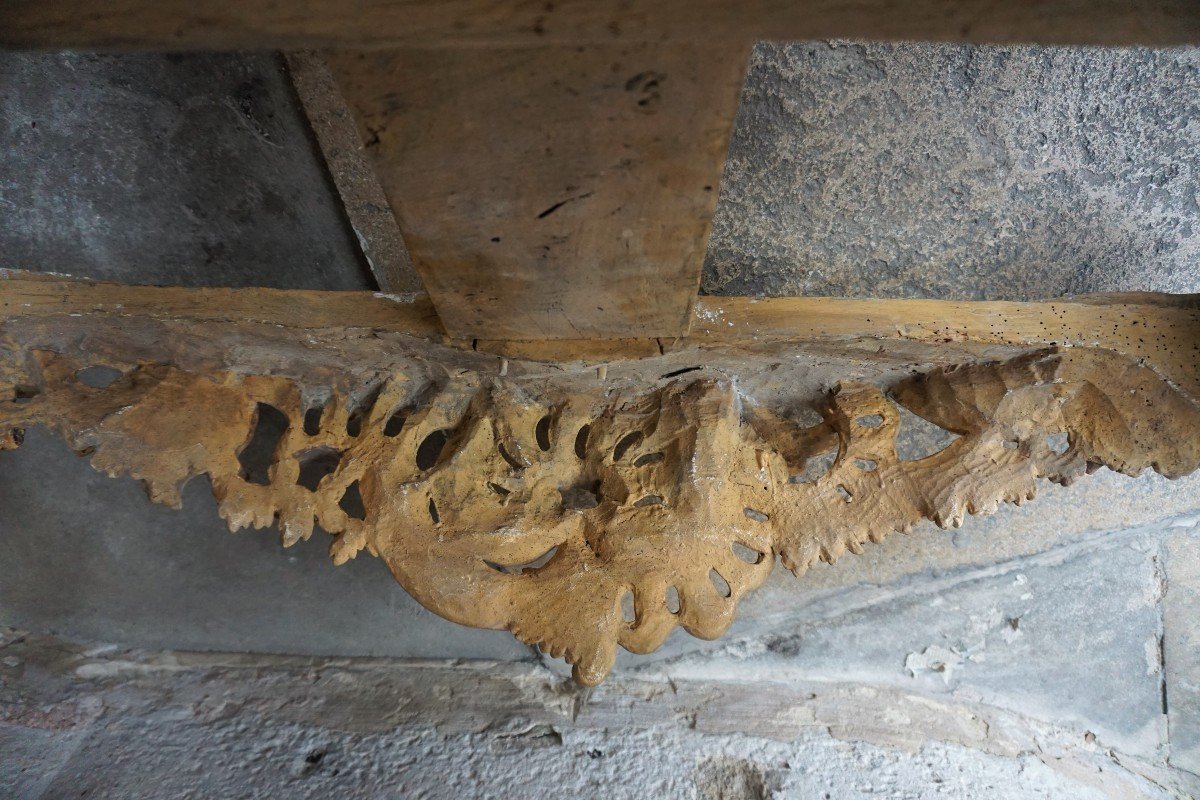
(581, 513)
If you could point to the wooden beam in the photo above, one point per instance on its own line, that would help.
(1162, 329)
(35, 294)
(365, 204)
(551, 192)
(234, 24)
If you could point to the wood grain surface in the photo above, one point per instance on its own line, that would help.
(554, 192)
(249, 24)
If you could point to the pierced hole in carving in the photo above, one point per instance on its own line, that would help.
(258, 455)
(507, 456)
(98, 376)
(678, 372)
(355, 421)
(627, 610)
(919, 438)
(517, 569)
(648, 459)
(1058, 443)
(542, 433)
(581, 439)
(649, 500)
(433, 512)
(315, 464)
(719, 583)
(577, 498)
(816, 467)
(747, 554)
(498, 489)
(312, 420)
(672, 599)
(870, 420)
(865, 464)
(845, 493)
(627, 441)
(430, 449)
(394, 424)
(23, 393)
(352, 502)
(757, 516)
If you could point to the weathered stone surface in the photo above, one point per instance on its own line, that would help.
(128, 724)
(32, 757)
(1181, 643)
(193, 169)
(1070, 636)
(922, 170)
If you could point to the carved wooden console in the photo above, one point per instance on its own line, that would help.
(588, 494)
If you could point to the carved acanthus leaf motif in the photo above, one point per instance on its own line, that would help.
(583, 515)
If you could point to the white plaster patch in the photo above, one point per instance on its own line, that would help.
(934, 659)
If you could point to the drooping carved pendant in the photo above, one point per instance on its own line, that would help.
(582, 509)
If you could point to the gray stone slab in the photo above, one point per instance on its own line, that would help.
(1070, 637)
(190, 169)
(935, 170)
(90, 557)
(1181, 645)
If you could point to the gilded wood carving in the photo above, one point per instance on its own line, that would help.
(584, 505)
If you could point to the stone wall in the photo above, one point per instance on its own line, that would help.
(1048, 651)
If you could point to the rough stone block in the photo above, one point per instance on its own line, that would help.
(936, 170)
